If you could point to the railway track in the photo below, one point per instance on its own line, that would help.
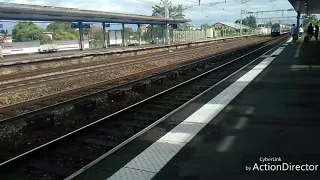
(98, 62)
(63, 156)
(19, 133)
(24, 107)
(10, 83)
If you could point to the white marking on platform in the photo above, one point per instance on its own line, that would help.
(290, 40)
(265, 56)
(226, 143)
(277, 52)
(284, 44)
(241, 122)
(305, 67)
(298, 51)
(250, 110)
(300, 67)
(154, 158)
(134, 174)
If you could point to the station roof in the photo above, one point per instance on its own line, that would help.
(11, 11)
(306, 6)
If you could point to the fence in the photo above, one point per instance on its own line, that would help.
(176, 36)
(179, 36)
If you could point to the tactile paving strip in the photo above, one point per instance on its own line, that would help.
(156, 156)
(132, 174)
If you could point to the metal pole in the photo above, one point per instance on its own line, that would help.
(81, 36)
(152, 32)
(166, 14)
(104, 35)
(257, 22)
(109, 39)
(163, 34)
(1, 54)
(123, 34)
(298, 23)
(139, 30)
(241, 23)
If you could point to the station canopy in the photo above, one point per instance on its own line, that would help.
(11, 11)
(306, 6)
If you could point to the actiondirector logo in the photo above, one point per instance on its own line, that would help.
(275, 164)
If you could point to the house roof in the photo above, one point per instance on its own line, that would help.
(233, 25)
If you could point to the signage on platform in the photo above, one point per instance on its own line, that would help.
(76, 26)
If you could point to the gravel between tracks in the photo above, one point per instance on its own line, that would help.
(49, 74)
(24, 94)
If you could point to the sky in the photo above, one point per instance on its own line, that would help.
(222, 11)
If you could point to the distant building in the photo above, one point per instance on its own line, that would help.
(144, 29)
(192, 28)
(229, 25)
(4, 39)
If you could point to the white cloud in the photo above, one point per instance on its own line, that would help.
(229, 11)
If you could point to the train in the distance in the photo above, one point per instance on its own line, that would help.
(279, 29)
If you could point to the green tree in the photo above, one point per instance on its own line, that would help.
(59, 26)
(129, 31)
(157, 33)
(309, 19)
(249, 21)
(62, 31)
(26, 31)
(44, 39)
(96, 33)
(62, 35)
(205, 26)
(175, 12)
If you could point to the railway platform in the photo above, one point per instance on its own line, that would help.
(269, 109)
(36, 57)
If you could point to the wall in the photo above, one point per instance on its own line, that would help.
(115, 37)
(64, 45)
(210, 32)
(9, 48)
(32, 47)
(264, 30)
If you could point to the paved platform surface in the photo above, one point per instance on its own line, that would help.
(36, 56)
(275, 115)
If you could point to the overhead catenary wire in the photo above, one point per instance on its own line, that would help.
(188, 8)
(203, 7)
